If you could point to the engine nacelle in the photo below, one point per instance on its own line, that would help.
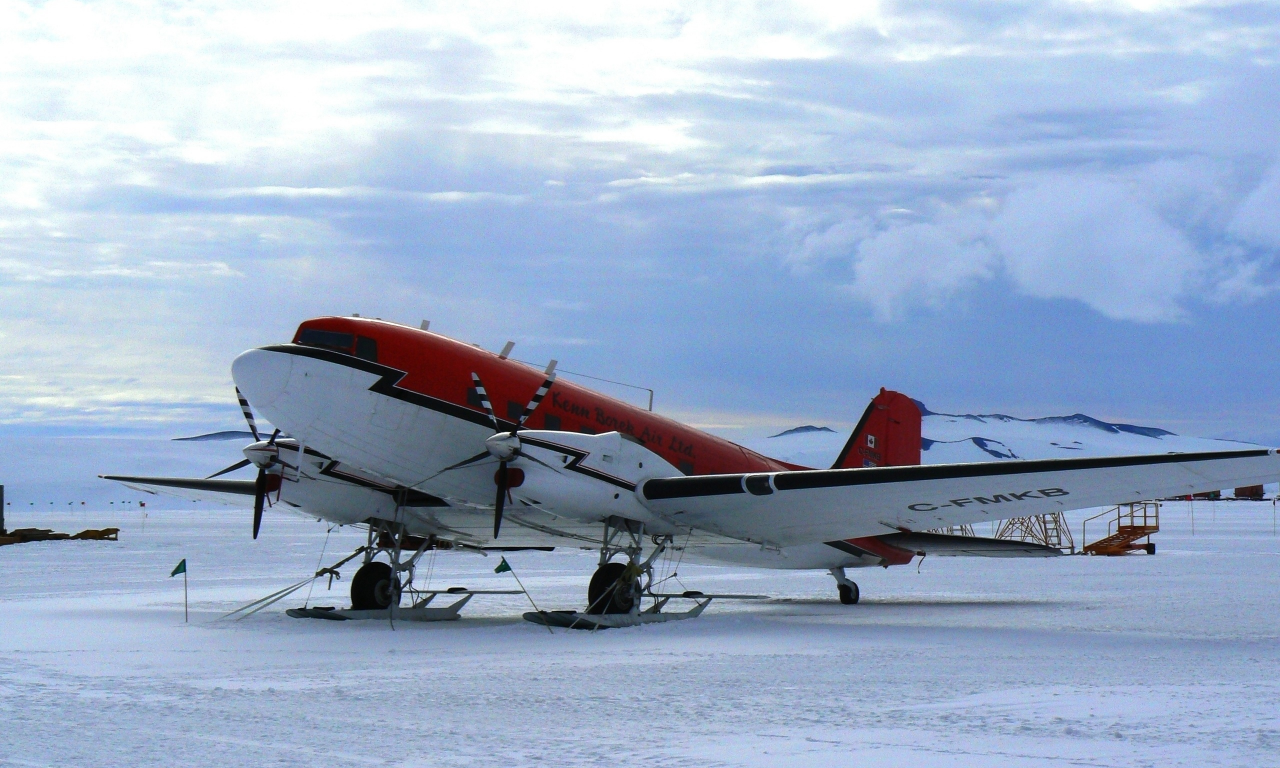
(589, 477)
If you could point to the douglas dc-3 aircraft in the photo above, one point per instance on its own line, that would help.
(435, 443)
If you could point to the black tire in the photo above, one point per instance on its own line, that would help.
(1151, 547)
(371, 589)
(607, 592)
(848, 593)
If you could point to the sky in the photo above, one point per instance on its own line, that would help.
(765, 212)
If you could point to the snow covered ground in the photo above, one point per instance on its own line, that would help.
(1169, 660)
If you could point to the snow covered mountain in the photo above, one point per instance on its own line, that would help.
(959, 438)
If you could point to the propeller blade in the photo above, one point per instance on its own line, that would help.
(259, 498)
(478, 457)
(231, 468)
(537, 396)
(459, 465)
(274, 435)
(527, 457)
(484, 401)
(248, 415)
(502, 497)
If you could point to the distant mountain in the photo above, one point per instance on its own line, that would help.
(1077, 419)
(950, 438)
(801, 430)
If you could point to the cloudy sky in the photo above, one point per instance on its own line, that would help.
(763, 211)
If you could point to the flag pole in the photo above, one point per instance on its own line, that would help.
(512, 571)
(181, 568)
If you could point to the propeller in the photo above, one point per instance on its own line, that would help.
(505, 446)
(266, 481)
(262, 485)
(253, 430)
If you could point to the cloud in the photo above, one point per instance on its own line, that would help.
(24, 271)
(919, 264)
(1081, 237)
(824, 241)
(676, 180)
(1257, 221)
(1092, 240)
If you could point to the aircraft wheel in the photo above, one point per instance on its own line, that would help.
(371, 589)
(848, 594)
(608, 592)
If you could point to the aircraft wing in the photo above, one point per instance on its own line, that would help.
(233, 493)
(802, 507)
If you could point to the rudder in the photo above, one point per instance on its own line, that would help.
(888, 435)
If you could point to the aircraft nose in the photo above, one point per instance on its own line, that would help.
(262, 375)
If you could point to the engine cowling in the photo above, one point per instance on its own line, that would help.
(589, 477)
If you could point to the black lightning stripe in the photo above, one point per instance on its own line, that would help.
(575, 463)
(387, 384)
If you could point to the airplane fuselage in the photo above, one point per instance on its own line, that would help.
(400, 404)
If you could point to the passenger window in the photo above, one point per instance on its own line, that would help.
(314, 337)
(367, 349)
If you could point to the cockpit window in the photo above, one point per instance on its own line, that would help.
(314, 337)
(367, 349)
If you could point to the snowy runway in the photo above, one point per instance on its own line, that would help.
(1165, 660)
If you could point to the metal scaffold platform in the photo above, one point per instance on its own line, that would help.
(1050, 530)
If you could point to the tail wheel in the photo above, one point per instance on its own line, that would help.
(373, 587)
(848, 593)
(610, 590)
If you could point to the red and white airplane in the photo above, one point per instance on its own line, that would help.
(433, 442)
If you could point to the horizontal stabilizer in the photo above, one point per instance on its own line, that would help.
(946, 545)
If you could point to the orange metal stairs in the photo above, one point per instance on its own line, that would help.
(1128, 524)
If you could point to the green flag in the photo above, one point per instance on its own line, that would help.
(179, 568)
(503, 566)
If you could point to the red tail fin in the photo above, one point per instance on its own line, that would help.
(887, 436)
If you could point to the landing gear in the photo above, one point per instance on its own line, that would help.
(378, 585)
(373, 587)
(610, 591)
(848, 590)
(617, 587)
